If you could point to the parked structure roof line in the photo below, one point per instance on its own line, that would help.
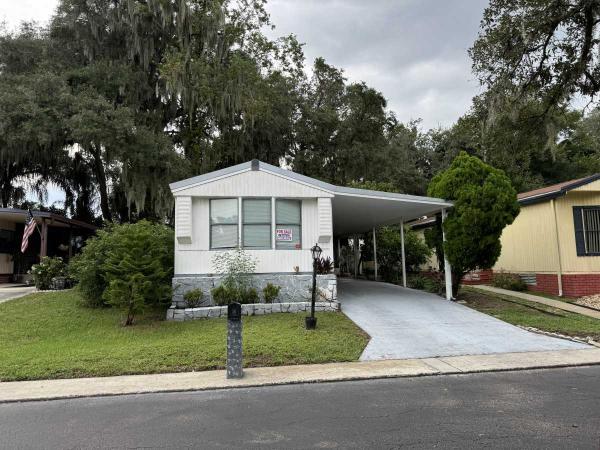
(328, 187)
(555, 190)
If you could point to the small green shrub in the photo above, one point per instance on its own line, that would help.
(271, 292)
(417, 282)
(324, 266)
(433, 284)
(510, 281)
(222, 294)
(47, 269)
(225, 294)
(248, 295)
(193, 298)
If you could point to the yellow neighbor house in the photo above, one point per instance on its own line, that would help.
(554, 243)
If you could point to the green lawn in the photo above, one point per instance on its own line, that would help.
(50, 335)
(522, 312)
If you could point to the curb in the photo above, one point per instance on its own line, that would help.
(45, 390)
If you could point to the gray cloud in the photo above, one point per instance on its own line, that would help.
(413, 51)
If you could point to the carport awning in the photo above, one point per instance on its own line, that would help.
(359, 210)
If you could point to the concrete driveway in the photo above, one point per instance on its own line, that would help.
(406, 323)
(12, 291)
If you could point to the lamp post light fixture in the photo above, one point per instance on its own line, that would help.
(311, 321)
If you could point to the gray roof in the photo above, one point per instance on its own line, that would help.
(342, 190)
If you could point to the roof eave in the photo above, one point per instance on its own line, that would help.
(559, 192)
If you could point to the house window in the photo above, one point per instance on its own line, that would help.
(7, 241)
(288, 224)
(587, 230)
(256, 223)
(224, 223)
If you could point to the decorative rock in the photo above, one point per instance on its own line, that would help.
(249, 310)
(294, 287)
(214, 311)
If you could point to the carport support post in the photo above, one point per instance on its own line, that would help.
(375, 251)
(447, 268)
(403, 253)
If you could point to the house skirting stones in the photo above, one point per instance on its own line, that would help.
(294, 287)
(255, 309)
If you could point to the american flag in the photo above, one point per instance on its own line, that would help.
(29, 227)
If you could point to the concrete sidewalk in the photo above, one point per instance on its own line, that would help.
(543, 300)
(13, 291)
(265, 376)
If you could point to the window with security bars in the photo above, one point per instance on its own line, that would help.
(224, 223)
(256, 223)
(587, 230)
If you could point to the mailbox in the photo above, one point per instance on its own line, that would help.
(234, 312)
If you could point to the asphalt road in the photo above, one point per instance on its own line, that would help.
(558, 408)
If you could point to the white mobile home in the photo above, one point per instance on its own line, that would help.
(276, 216)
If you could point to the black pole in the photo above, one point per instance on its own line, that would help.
(314, 290)
(311, 322)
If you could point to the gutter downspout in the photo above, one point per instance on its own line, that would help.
(559, 269)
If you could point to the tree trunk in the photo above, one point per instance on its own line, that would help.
(5, 194)
(6, 191)
(102, 186)
(456, 279)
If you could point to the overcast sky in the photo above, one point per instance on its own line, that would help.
(413, 51)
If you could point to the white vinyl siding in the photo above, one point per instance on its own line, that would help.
(288, 216)
(197, 256)
(224, 223)
(256, 223)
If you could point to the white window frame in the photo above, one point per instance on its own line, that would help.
(270, 223)
(211, 225)
(276, 224)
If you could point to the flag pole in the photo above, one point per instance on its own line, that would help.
(36, 224)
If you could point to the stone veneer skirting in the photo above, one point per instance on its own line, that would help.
(255, 309)
(294, 287)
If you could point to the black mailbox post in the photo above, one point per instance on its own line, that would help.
(234, 341)
(234, 312)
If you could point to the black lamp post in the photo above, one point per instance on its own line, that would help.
(311, 321)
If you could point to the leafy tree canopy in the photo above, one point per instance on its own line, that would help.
(548, 48)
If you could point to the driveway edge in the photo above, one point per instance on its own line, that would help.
(21, 391)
